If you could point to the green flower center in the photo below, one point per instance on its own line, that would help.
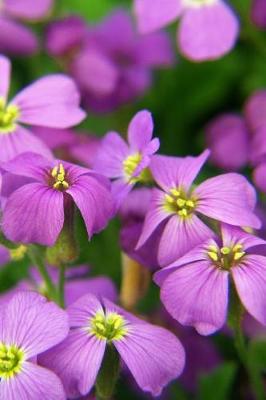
(178, 202)
(8, 117)
(58, 178)
(108, 327)
(11, 360)
(226, 257)
(129, 166)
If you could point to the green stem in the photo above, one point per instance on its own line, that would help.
(36, 258)
(235, 321)
(61, 286)
(108, 374)
(7, 243)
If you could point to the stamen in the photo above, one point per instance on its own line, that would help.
(226, 257)
(8, 117)
(108, 327)
(177, 201)
(59, 175)
(11, 360)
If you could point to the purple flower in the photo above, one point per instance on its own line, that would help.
(153, 355)
(111, 69)
(259, 176)
(34, 213)
(29, 325)
(52, 101)
(258, 13)
(127, 163)
(224, 135)
(208, 28)
(255, 111)
(228, 198)
(16, 38)
(194, 289)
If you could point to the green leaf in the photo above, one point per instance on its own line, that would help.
(218, 383)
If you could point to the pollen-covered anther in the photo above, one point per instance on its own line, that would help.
(11, 360)
(18, 253)
(59, 175)
(226, 257)
(108, 327)
(177, 201)
(8, 117)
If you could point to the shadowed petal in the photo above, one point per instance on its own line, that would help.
(34, 213)
(33, 323)
(94, 201)
(155, 14)
(250, 281)
(259, 175)
(181, 235)
(52, 101)
(32, 383)
(153, 355)
(197, 295)
(15, 38)
(228, 198)
(232, 235)
(5, 73)
(208, 32)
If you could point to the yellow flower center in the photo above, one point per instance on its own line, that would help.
(59, 181)
(108, 327)
(8, 117)
(178, 202)
(11, 360)
(226, 257)
(18, 253)
(129, 166)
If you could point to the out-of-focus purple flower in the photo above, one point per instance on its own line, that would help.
(208, 28)
(227, 198)
(29, 326)
(65, 36)
(258, 13)
(127, 163)
(15, 38)
(52, 101)
(258, 147)
(259, 176)
(70, 145)
(132, 214)
(228, 139)
(255, 111)
(111, 69)
(34, 213)
(194, 289)
(153, 355)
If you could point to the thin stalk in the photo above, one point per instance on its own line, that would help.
(61, 286)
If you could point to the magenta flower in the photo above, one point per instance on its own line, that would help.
(16, 38)
(34, 213)
(208, 28)
(259, 176)
(258, 13)
(224, 135)
(255, 111)
(110, 69)
(228, 198)
(29, 325)
(127, 163)
(153, 355)
(52, 101)
(194, 289)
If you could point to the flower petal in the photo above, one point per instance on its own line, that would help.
(259, 177)
(52, 101)
(34, 213)
(16, 39)
(140, 130)
(76, 361)
(94, 201)
(250, 281)
(155, 14)
(181, 235)
(228, 198)
(5, 73)
(153, 355)
(83, 309)
(154, 216)
(232, 235)
(29, 9)
(110, 156)
(32, 383)
(35, 324)
(197, 295)
(208, 32)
